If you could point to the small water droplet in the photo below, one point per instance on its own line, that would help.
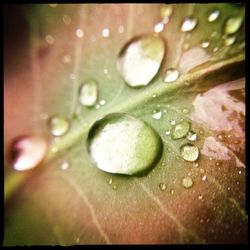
(122, 144)
(167, 132)
(49, 39)
(185, 110)
(105, 32)
(97, 106)
(58, 125)
(121, 29)
(230, 40)
(66, 59)
(110, 181)
(172, 191)
(162, 186)
(196, 164)
(210, 158)
(64, 165)
(54, 149)
(88, 93)
(115, 186)
(140, 60)
(102, 102)
(154, 95)
(202, 171)
(189, 24)
(66, 19)
(163, 163)
(233, 24)
(205, 44)
(159, 27)
(201, 131)
(171, 75)
(180, 130)
(200, 197)
(215, 49)
(79, 33)
(157, 115)
(27, 152)
(204, 178)
(191, 136)
(166, 10)
(189, 152)
(187, 182)
(173, 122)
(240, 172)
(217, 163)
(213, 16)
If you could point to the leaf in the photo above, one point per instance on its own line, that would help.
(84, 205)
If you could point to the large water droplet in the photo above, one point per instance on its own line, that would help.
(232, 25)
(171, 75)
(213, 16)
(58, 125)
(189, 24)
(88, 93)
(122, 144)
(140, 60)
(27, 152)
(187, 182)
(180, 130)
(189, 152)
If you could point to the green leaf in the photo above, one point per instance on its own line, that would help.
(84, 205)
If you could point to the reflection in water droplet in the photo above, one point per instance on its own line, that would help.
(232, 25)
(58, 125)
(49, 39)
(27, 152)
(191, 136)
(189, 152)
(105, 32)
(88, 93)
(157, 115)
(79, 33)
(189, 24)
(140, 60)
(162, 186)
(122, 144)
(205, 44)
(159, 27)
(187, 182)
(171, 75)
(213, 16)
(180, 130)
(230, 40)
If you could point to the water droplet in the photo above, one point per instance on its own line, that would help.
(97, 106)
(213, 16)
(121, 29)
(167, 132)
(187, 182)
(66, 19)
(102, 102)
(180, 130)
(79, 33)
(215, 49)
(140, 60)
(191, 136)
(154, 95)
(27, 152)
(110, 181)
(217, 163)
(196, 164)
(159, 27)
(189, 152)
(58, 125)
(232, 25)
(201, 132)
(49, 39)
(205, 44)
(171, 75)
(202, 171)
(88, 93)
(54, 149)
(53, 5)
(66, 59)
(172, 191)
(185, 111)
(105, 32)
(210, 158)
(64, 165)
(157, 115)
(240, 172)
(166, 11)
(115, 187)
(162, 186)
(200, 197)
(204, 178)
(173, 122)
(189, 24)
(122, 144)
(230, 40)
